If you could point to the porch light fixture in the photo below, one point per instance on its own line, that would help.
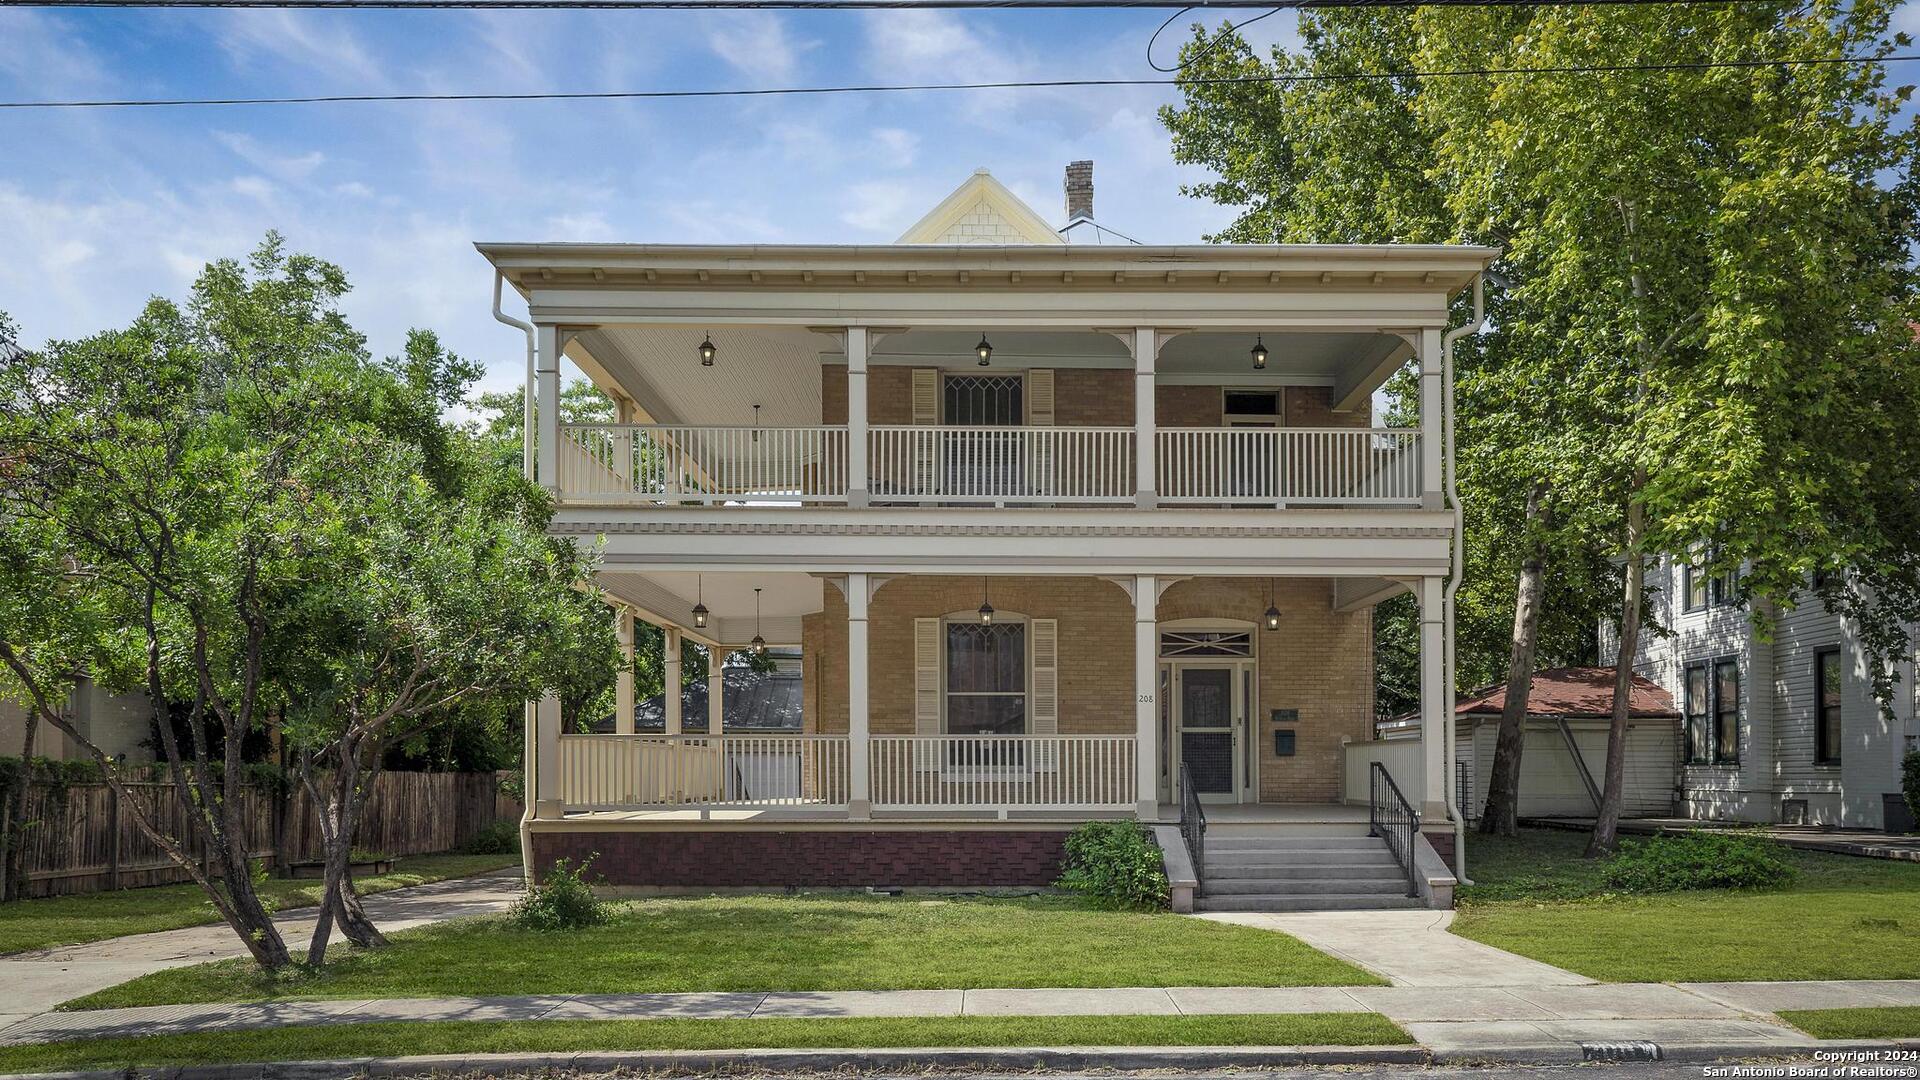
(984, 350)
(1259, 353)
(986, 609)
(1272, 617)
(700, 603)
(707, 350)
(758, 644)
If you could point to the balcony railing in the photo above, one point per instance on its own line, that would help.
(1010, 466)
(623, 772)
(1332, 466)
(1003, 772)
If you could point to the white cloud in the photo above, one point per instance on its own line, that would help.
(257, 38)
(291, 168)
(756, 44)
(894, 148)
(253, 187)
(882, 206)
(45, 54)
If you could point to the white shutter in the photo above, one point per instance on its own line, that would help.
(926, 693)
(1040, 414)
(926, 396)
(1043, 700)
(926, 413)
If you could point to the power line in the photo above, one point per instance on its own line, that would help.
(821, 91)
(809, 5)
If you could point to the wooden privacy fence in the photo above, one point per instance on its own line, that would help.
(82, 839)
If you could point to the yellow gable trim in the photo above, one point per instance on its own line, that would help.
(981, 196)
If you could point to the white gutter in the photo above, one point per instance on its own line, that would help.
(1450, 782)
(527, 739)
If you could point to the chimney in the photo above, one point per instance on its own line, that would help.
(1079, 191)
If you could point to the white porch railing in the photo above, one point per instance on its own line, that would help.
(624, 772)
(1288, 465)
(680, 463)
(1003, 772)
(1001, 464)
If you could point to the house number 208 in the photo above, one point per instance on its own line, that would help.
(1146, 699)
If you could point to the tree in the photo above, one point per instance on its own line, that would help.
(1705, 323)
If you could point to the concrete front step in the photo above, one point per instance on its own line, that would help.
(1377, 870)
(1308, 902)
(1277, 860)
(1223, 886)
(1288, 842)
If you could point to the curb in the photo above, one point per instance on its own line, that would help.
(1000, 1059)
(1685, 1053)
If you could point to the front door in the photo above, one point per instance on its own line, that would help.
(1207, 711)
(981, 453)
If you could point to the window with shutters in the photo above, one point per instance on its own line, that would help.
(986, 678)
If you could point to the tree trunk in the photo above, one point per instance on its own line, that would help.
(1502, 814)
(1606, 822)
(15, 884)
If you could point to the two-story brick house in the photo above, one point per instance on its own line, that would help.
(1062, 530)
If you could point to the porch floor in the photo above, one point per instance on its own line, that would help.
(1281, 814)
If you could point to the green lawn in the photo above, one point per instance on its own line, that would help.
(577, 1036)
(781, 943)
(69, 920)
(1844, 918)
(1895, 1022)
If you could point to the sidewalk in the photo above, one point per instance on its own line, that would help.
(37, 981)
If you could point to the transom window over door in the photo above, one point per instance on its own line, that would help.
(986, 678)
(984, 400)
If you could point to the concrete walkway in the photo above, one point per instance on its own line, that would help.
(37, 981)
(1549, 1021)
(1407, 948)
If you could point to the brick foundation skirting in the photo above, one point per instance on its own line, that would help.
(837, 858)
(1442, 841)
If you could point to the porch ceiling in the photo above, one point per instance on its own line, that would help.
(669, 596)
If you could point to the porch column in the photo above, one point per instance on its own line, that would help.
(1427, 791)
(547, 384)
(859, 777)
(716, 688)
(1146, 713)
(670, 679)
(857, 483)
(1432, 414)
(546, 756)
(623, 682)
(1146, 352)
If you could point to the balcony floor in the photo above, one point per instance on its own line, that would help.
(1222, 815)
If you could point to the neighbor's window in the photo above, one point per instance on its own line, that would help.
(1699, 700)
(1713, 712)
(1701, 591)
(986, 678)
(1726, 711)
(1826, 705)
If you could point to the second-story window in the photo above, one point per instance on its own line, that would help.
(1700, 591)
(1827, 682)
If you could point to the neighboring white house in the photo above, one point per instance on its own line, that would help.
(1064, 527)
(1781, 731)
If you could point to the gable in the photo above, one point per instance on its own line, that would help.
(981, 211)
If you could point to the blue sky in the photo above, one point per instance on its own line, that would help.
(100, 209)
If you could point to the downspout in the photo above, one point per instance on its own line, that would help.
(1450, 783)
(528, 735)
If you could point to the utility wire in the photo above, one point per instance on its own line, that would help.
(821, 5)
(622, 95)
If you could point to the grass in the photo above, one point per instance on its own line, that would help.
(71, 920)
(1893, 1022)
(1845, 917)
(780, 943)
(577, 1036)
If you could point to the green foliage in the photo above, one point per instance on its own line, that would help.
(1116, 863)
(1910, 782)
(1700, 859)
(561, 900)
(56, 774)
(499, 838)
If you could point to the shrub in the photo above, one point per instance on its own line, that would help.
(1115, 863)
(563, 901)
(1700, 859)
(499, 838)
(1910, 782)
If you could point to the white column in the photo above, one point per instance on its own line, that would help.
(1427, 791)
(1432, 391)
(547, 382)
(670, 680)
(716, 689)
(623, 682)
(859, 794)
(546, 792)
(857, 483)
(1146, 711)
(1146, 352)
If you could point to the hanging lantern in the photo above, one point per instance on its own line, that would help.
(1259, 353)
(758, 644)
(700, 612)
(984, 350)
(707, 350)
(1272, 617)
(986, 609)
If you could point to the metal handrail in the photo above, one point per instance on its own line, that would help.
(1193, 824)
(1391, 817)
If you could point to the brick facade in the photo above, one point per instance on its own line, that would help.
(818, 858)
(1320, 663)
